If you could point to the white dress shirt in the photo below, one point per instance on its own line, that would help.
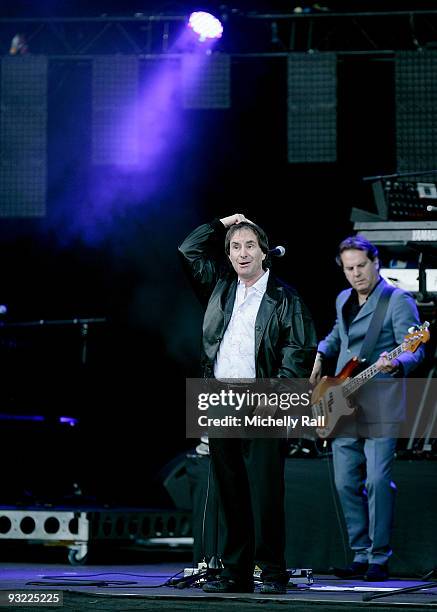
(236, 355)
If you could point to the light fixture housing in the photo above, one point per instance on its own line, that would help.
(205, 26)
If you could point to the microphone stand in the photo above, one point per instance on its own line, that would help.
(83, 323)
(214, 565)
(84, 336)
(414, 589)
(44, 322)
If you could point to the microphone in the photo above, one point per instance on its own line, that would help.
(431, 208)
(278, 251)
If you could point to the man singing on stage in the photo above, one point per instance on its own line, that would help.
(254, 326)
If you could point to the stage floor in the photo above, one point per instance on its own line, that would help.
(141, 587)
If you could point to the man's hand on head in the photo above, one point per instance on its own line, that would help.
(234, 219)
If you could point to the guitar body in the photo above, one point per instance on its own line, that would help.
(327, 400)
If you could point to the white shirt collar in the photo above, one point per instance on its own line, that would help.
(261, 284)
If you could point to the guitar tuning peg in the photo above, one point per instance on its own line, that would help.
(411, 329)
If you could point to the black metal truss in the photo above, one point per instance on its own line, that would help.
(246, 33)
(89, 36)
(358, 32)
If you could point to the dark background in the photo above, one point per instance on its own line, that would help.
(129, 396)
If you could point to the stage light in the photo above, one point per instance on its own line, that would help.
(18, 45)
(69, 420)
(205, 25)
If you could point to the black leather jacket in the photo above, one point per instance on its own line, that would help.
(285, 339)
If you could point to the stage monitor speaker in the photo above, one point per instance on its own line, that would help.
(175, 481)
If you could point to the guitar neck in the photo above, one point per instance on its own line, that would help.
(355, 383)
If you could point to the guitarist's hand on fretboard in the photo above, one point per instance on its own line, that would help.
(385, 365)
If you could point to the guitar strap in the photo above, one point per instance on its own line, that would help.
(376, 322)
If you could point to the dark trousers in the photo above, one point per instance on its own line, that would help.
(249, 476)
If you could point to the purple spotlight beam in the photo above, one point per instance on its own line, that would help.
(205, 25)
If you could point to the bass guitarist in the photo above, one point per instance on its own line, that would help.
(362, 455)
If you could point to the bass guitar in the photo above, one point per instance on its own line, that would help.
(330, 399)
